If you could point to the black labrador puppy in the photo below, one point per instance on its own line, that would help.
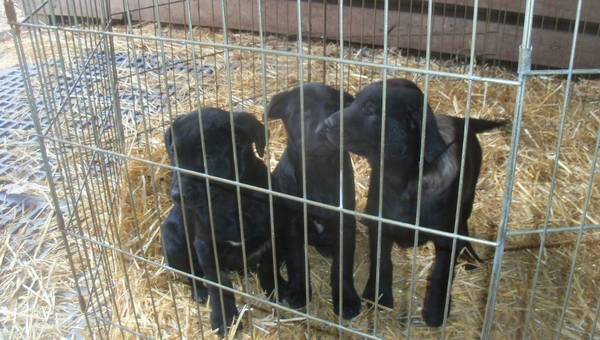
(444, 138)
(191, 204)
(322, 185)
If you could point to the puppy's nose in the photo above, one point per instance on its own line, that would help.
(329, 123)
(324, 126)
(321, 129)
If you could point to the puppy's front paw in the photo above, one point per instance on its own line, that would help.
(295, 298)
(433, 311)
(350, 305)
(199, 293)
(216, 318)
(433, 318)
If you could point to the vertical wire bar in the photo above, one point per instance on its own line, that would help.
(197, 88)
(75, 213)
(352, 39)
(41, 67)
(462, 166)
(444, 18)
(50, 106)
(241, 104)
(595, 322)
(464, 27)
(79, 223)
(373, 38)
(310, 39)
(253, 43)
(144, 267)
(413, 281)
(586, 206)
(276, 4)
(203, 145)
(555, 167)
(146, 126)
(341, 164)
(233, 139)
(98, 141)
(421, 12)
(303, 160)
(268, 161)
(88, 183)
(324, 41)
(503, 227)
(190, 251)
(121, 136)
(408, 45)
(48, 101)
(118, 173)
(502, 22)
(381, 162)
(179, 332)
(210, 209)
(233, 144)
(94, 223)
(488, 16)
(113, 86)
(48, 169)
(203, 148)
(524, 66)
(362, 39)
(214, 50)
(399, 34)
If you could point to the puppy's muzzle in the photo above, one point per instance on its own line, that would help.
(327, 126)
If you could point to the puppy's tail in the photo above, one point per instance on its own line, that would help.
(481, 125)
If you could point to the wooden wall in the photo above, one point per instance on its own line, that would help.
(499, 29)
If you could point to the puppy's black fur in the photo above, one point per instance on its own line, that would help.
(190, 199)
(323, 185)
(444, 138)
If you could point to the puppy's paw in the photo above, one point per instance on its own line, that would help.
(433, 312)
(216, 319)
(350, 306)
(200, 293)
(294, 298)
(433, 318)
(385, 297)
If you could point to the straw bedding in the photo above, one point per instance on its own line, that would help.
(142, 195)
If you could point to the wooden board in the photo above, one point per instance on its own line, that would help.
(565, 9)
(449, 35)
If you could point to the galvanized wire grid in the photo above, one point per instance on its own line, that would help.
(91, 94)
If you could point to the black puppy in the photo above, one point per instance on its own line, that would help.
(444, 138)
(191, 205)
(323, 185)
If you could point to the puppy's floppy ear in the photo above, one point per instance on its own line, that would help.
(249, 128)
(348, 99)
(278, 107)
(169, 143)
(434, 143)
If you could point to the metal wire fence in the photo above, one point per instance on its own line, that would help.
(106, 79)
